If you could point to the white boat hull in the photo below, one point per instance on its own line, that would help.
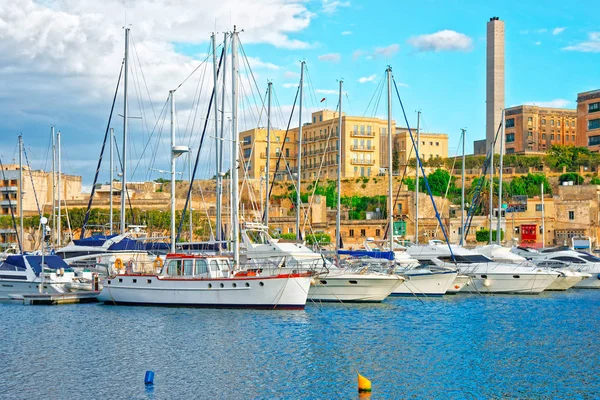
(281, 292)
(509, 283)
(425, 284)
(565, 282)
(352, 288)
(459, 282)
(592, 282)
(15, 289)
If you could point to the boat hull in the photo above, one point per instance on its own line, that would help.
(459, 282)
(15, 289)
(563, 283)
(592, 282)
(353, 288)
(273, 292)
(425, 284)
(494, 283)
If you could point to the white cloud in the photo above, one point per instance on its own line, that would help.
(291, 75)
(331, 6)
(445, 40)
(327, 91)
(366, 79)
(356, 54)
(558, 31)
(592, 45)
(556, 103)
(538, 43)
(331, 57)
(388, 51)
(543, 30)
(257, 63)
(289, 85)
(347, 33)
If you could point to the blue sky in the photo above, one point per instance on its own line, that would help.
(64, 74)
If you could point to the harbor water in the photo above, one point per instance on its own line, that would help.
(463, 347)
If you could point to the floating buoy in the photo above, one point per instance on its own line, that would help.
(487, 283)
(364, 385)
(149, 378)
(456, 286)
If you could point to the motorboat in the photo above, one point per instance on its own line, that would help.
(567, 278)
(330, 283)
(29, 274)
(486, 276)
(208, 281)
(585, 266)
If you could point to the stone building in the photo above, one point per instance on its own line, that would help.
(588, 119)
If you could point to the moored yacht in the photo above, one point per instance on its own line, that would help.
(486, 276)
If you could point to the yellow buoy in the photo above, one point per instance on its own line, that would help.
(364, 385)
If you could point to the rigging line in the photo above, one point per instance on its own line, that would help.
(157, 141)
(449, 181)
(195, 105)
(210, 103)
(37, 203)
(245, 57)
(150, 137)
(143, 76)
(126, 191)
(195, 69)
(138, 100)
(12, 212)
(112, 108)
(420, 164)
(377, 89)
(287, 130)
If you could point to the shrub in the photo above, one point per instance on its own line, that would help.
(571, 177)
(484, 235)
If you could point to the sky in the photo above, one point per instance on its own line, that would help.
(60, 60)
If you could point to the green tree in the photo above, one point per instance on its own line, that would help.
(571, 177)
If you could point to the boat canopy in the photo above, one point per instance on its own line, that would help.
(97, 240)
(387, 255)
(17, 262)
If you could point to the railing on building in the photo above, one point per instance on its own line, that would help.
(362, 162)
(362, 148)
(362, 134)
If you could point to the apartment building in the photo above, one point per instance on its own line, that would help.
(432, 145)
(588, 119)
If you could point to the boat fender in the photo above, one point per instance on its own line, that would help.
(158, 263)
(313, 282)
(149, 378)
(487, 283)
(118, 263)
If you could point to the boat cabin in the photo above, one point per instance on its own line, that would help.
(195, 266)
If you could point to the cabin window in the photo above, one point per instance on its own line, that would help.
(201, 267)
(214, 266)
(224, 265)
(174, 267)
(188, 267)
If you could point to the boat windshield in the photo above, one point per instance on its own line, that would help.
(257, 237)
(467, 259)
(589, 257)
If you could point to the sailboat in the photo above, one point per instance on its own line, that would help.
(209, 281)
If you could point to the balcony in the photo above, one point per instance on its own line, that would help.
(8, 189)
(362, 162)
(362, 148)
(362, 134)
(276, 156)
(8, 203)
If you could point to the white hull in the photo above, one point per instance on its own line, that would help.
(426, 284)
(15, 289)
(459, 282)
(590, 283)
(534, 283)
(347, 287)
(285, 292)
(565, 282)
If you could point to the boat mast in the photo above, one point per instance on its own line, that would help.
(390, 163)
(268, 162)
(298, 197)
(218, 144)
(543, 214)
(21, 191)
(339, 179)
(491, 190)
(172, 101)
(462, 192)
(191, 194)
(498, 235)
(235, 153)
(124, 169)
(221, 137)
(417, 178)
(58, 218)
(110, 218)
(52, 211)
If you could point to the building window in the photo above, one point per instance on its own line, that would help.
(510, 137)
(573, 137)
(377, 232)
(363, 232)
(557, 123)
(594, 123)
(437, 143)
(529, 134)
(351, 233)
(247, 140)
(369, 129)
(431, 143)
(510, 151)
(552, 137)
(593, 140)
(567, 138)
(247, 153)
(538, 207)
(593, 107)
(543, 136)
(510, 123)
(529, 120)
(551, 122)
(558, 137)
(277, 139)
(567, 124)
(320, 118)
(543, 122)
(571, 215)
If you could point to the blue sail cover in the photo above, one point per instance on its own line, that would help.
(97, 240)
(386, 255)
(18, 262)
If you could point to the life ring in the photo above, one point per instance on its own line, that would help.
(246, 273)
(118, 263)
(158, 263)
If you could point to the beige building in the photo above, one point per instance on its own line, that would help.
(588, 119)
(361, 141)
(533, 129)
(432, 145)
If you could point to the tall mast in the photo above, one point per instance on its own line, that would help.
(218, 144)
(191, 194)
(172, 101)
(298, 197)
(21, 191)
(338, 222)
(58, 218)
(543, 214)
(390, 166)
(417, 178)
(124, 170)
(221, 137)
(110, 218)
(462, 191)
(498, 235)
(491, 191)
(267, 166)
(235, 153)
(53, 210)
